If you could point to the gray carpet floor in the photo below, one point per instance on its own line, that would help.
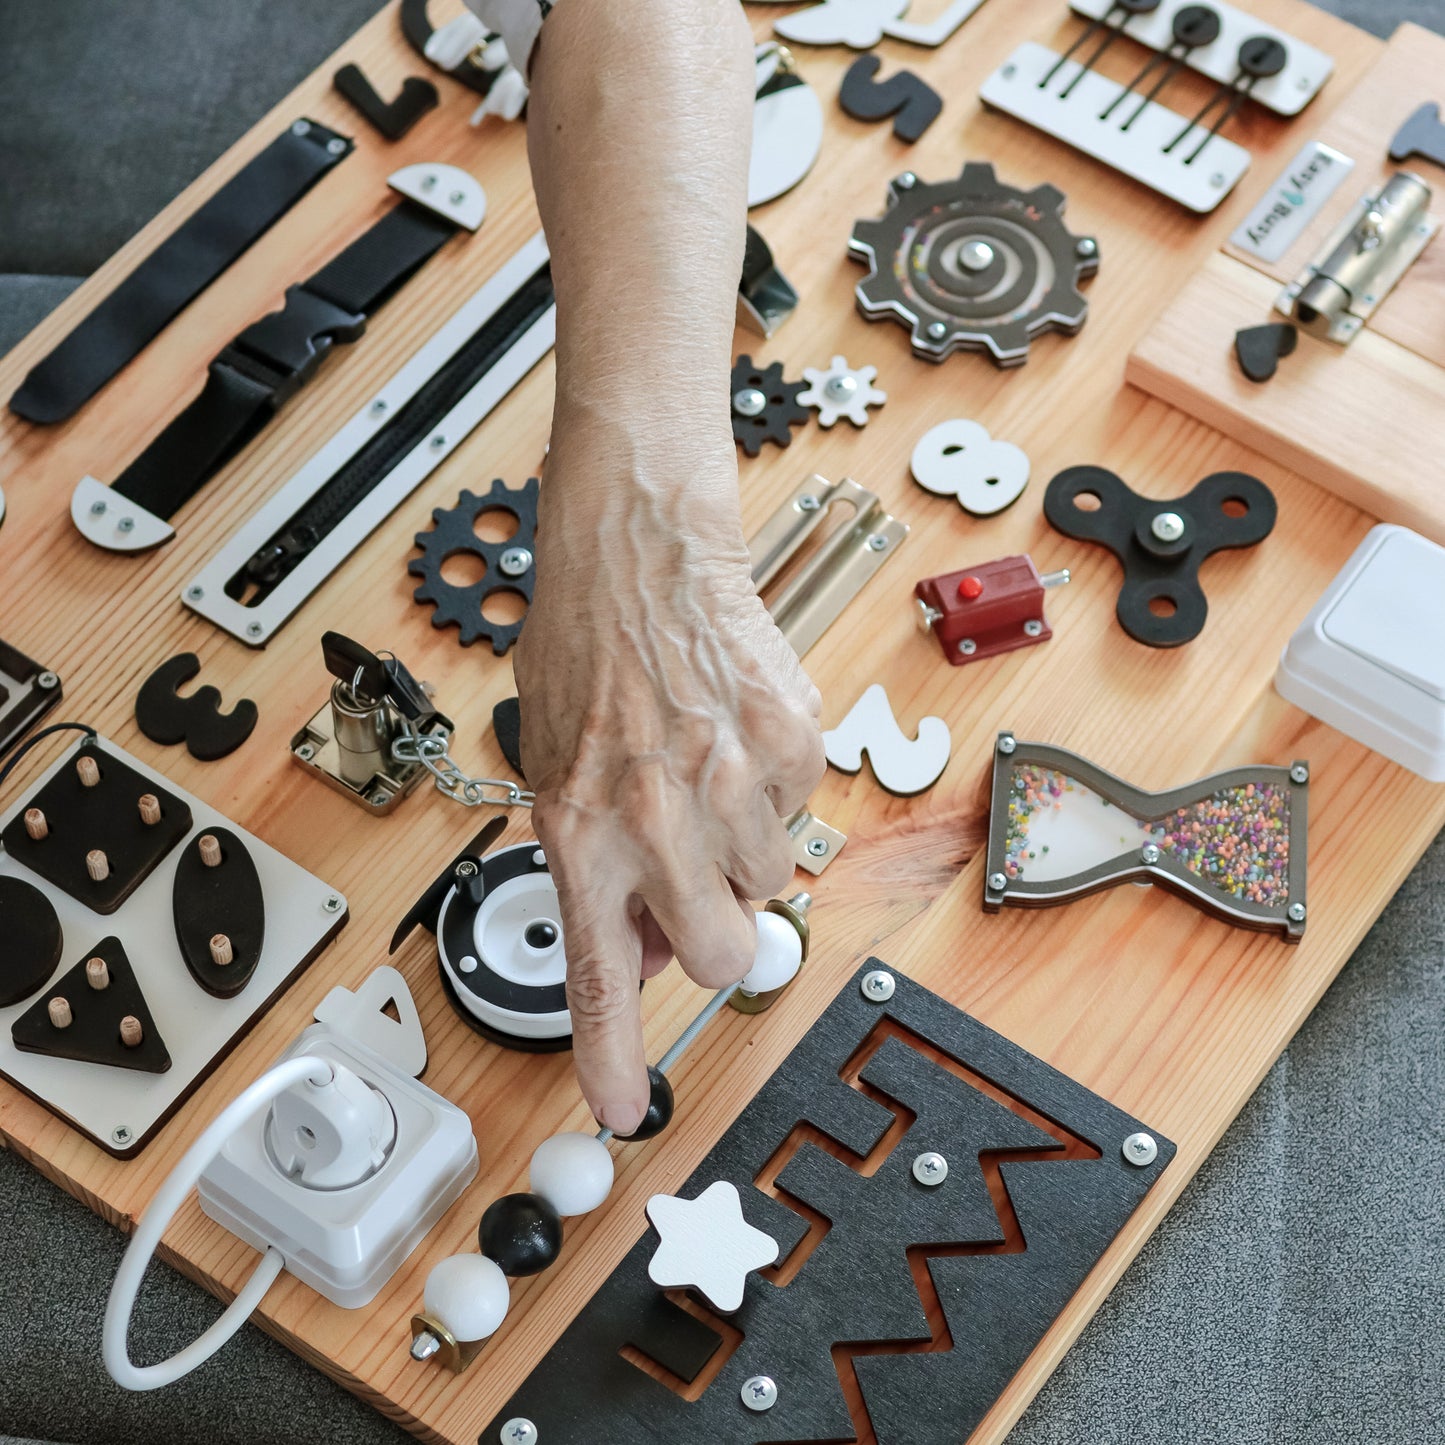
(1294, 1296)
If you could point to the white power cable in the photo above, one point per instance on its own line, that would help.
(169, 1198)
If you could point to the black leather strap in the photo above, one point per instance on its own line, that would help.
(274, 357)
(178, 270)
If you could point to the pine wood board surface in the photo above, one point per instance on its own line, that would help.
(1172, 1015)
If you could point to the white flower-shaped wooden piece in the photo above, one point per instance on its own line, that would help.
(707, 1245)
(903, 765)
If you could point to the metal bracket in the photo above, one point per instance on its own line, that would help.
(766, 297)
(1361, 262)
(815, 843)
(27, 692)
(826, 582)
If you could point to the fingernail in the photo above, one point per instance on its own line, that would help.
(621, 1120)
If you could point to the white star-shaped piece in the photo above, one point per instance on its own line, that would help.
(707, 1245)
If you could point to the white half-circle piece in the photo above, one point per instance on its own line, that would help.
(101, 515)
(447, 190)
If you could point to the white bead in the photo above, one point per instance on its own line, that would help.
(468, 1294)
(572, 1172)
(779, 955)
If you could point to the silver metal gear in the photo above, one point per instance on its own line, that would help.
(838, 390)
(972, 264)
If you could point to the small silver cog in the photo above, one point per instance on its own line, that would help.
(838, 391)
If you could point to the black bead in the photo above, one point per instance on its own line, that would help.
(521, 1233)
(659, 1109)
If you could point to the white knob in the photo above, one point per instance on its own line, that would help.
(572, 1172)
(779, 955)
(468, 1294)
(328, 1136)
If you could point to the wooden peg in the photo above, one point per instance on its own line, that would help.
(150, 809)
(97, 865)
(97, 975)
(131, 1032)
(35, 825)
(88, 770)
(220, 950)
(210, 849)
(59, 1011)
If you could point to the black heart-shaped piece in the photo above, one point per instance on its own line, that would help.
(1259, 348)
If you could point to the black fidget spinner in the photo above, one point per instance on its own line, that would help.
(764, 406)
(1161, 544)
(973, 264)
(510, 565)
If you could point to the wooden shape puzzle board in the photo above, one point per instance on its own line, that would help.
(1171, 1017)
(1367, 420)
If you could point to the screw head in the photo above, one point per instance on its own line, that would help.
(1299, 773)
(126, 524)
(1033, 627)
(975, 255)
(465, 869)
(759, 1392)
(1167, 526)
(194, 594)
(301, 127)
(377, 799)
(254, 629)
(121, 1134)
(1149, 853)
(1086, 247)
(997, 882)
(877, 542)
(930, 1168)
(335, 147)
(457, 197)
(906, 181)
(840, 388)
(47, 680)
(306, 752)
(1007, 743)
(967, 646)
(749, 401)
(518, 1431)
(97, 509)
(332, 903)
(808, 503)
(1217, 179)
(1139, 1149)
(515, 561)
(1295, 913)
(937, 330)
(877, 985)
(438, 442)
(377, 408)
(818, 847)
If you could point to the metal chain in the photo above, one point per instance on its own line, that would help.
(430, 750)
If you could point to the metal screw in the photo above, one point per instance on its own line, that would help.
(1140, 1149)
(840, 388)
(1217, 179)
(377, 799)
(1086, 247)
(121, 1134)
(519, 1431)
(515, 561)
(301, 127)
(332, 903)
(749, 401)
(1299, 773)
(1296, 913)
(818, 847)
(438, 442)
(1033, 627)
(937, 330)
(126, 524)
(425, 1345)
(997, 882)
(254, 629)
(429, 183)
(759, 1392)
(1006, 744)
(975, 255)
(195, 594)
(808, 503)
(967, 646)
(465, 869)
(1167, 526)
(1369, 300)
(877, 543)
(47, 680)
(335, 147)
(306, 752)
(97, 509)
(457, 197)
(1303, 83)
(378, 407)
(1149, 853)
(878, 985)
(906, 181)
(930, 1168)
(1009, 71)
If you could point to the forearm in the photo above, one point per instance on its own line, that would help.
(640, 126)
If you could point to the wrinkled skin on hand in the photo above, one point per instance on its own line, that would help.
(668, 727)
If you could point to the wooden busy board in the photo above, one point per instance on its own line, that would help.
(1169, 1014)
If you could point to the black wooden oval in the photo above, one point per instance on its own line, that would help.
(32, 940)
(224, 899)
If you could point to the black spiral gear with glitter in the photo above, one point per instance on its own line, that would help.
(510, 565)
(764, 406)
(973, 264)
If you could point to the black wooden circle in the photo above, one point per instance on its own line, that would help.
(1195, 25)
(521, 1233)
(659, 1109)
(32, 940)
(1262, 56)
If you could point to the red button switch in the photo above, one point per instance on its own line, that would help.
(969, 588)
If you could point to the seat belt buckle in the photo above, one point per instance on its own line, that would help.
(292, 342)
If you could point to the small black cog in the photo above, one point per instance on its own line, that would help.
(510, 565)
(764, 406)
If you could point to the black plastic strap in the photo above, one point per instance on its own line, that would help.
(274, 357)
(178, 270)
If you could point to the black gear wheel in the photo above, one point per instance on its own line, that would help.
(768, 420)
(972, 264)
(454, 534)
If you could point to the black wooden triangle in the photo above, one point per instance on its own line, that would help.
(93, 1036)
